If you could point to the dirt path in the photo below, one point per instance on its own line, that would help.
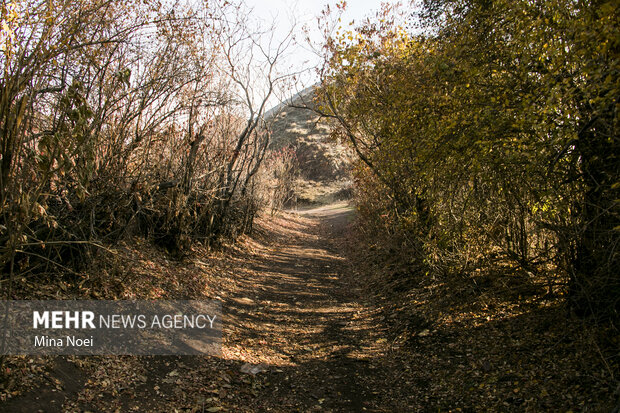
(301, 336)
(298, 335)
(305, 319)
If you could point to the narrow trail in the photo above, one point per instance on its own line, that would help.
(298, 336)
(300, 314)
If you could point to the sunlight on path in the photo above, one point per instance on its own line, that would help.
(296, 309)
(341, 207)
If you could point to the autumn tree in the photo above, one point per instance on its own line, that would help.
(122, 119)
(489, 128)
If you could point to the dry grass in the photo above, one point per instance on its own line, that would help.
(323, 163)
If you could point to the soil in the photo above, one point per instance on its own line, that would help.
(292, 309)
(311, 324)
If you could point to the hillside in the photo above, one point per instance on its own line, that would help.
(323, 164)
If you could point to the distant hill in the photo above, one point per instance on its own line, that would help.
(324, 174)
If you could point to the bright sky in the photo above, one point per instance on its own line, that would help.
(305, 12)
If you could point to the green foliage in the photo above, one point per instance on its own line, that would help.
(493, 132)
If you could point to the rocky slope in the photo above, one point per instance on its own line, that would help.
(323, 163)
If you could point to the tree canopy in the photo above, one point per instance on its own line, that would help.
(490, 127)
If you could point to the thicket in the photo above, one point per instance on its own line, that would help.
(489, 131)
(127, 118)
(280, 178)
